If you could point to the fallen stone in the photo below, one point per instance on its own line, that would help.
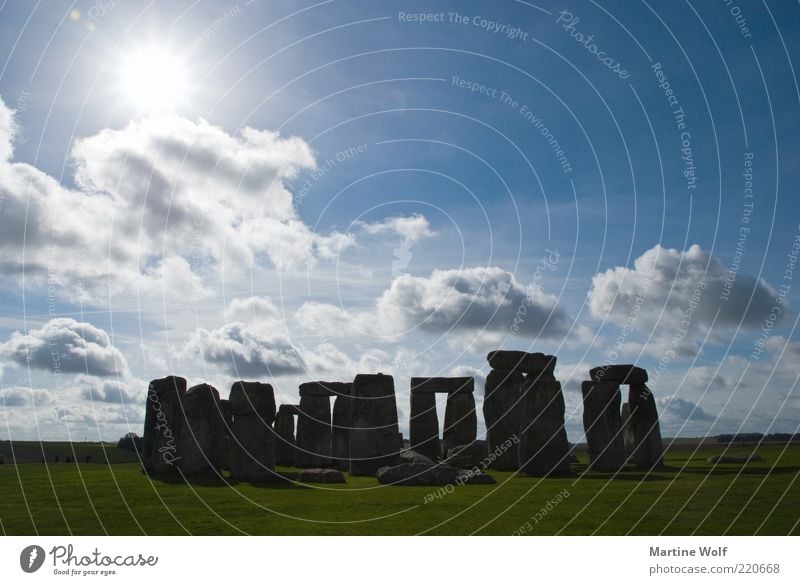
(469, 455)
(543, 449)
(411, 456)
(620, 374)
(423, 425)
(375, 438)
(474, 477)
(317, 475)
(162, 424)
(603, 426)
(417, 474)
(502, 409)
(521, 361)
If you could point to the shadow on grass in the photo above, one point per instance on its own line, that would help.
(279, 482)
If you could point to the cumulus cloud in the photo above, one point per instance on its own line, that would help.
(411, 228)
(115, 391)
(680, 409)
(149, 198)
(674, 294)
(17, 396)
(65, 345)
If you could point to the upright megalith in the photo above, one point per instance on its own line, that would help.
(502, 409)
(543, 449)
(284, 431)
(641, 429)
(423, 424)
(374, 437)
(162, 424)
(342, 422)
(603, 425)
(460, 420)
(313, 441)
(252, 441)
(201, 444)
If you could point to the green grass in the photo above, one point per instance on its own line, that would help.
(689, 496)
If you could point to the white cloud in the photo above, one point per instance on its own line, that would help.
(7, 131)
(65, 345)
(18, 396)
(412, 228)
(112, 390)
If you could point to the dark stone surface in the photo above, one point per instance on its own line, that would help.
(284, 440)
(292, 409)
(252, 441)
(472, 476)
(313, 440)
(543, 449)
(411, 456)
(342, 422)
(445, 385)
(326, 388)
(521, 361)
(621, 374)
(317, 475)
(469, 455)
(423, 425)
(502, 410)
(735, 458)
(162, 424)
(417, 474)
(374, 437)
(603, 426)
(201, 445)
(641, 429)
(460, 420)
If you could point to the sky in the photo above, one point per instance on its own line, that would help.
(289, 191)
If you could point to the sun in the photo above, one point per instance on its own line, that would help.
(154, 79)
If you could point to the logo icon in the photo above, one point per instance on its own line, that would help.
(31, 558)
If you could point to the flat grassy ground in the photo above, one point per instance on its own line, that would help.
(688, 496)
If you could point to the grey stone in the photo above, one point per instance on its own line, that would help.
(252, 442)
(620, 373)
(411, 456)
(374, 436)
(313, 440)
(469, 455)
(342, 421)
(641, 429)
(460, 420)
(325, 388)
(423, 425)
(521, 361)
(444, 385)
(543, 449)
(162, 424)
(502, 409)
(473, 476)
(201, 444)
(603, 426)
(317, 475)
(417, 474)
(284, 440)
(735, 458)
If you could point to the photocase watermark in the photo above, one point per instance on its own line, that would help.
(568, 22)
(327, 165)
(100, 10)
(31, 558)
(465, 475)
(546, 262)
(169, 449)
(213, 28)
(542, 513)
(744, 228)
(522, 109)
(760, 344)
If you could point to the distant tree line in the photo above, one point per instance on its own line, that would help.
(757, 437)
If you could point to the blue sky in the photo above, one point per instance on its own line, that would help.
(312, 190)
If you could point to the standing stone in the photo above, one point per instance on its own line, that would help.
(621, 374)
(460, 420)
(162, 424)
(543, 449)
(603, 426)
(284, 429)
(252, 440)
(502, 407)
(423, 425)
(342, 421)
(313, 443)
(201, 442)
(521, 361)
(374, 435)
(641, 428)
(225, 413)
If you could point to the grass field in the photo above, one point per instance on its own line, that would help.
(689, 496)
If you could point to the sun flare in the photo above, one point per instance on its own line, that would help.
(154, 79)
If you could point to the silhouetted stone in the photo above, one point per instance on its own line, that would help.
(460, 420)
(284, 443)
(252, 439)
(325, 388)
(162, 424)
(201, 441)
(521, 361)
(88, 459)
(342, 421)
(603, 425)
(502, 409)
(641, 430)
(621, 374)
(313, 441)
(292, 409)
(374, 438)
(543, 449)
(417, 474)
(317, 475)
(423, 424)
(445, 385)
